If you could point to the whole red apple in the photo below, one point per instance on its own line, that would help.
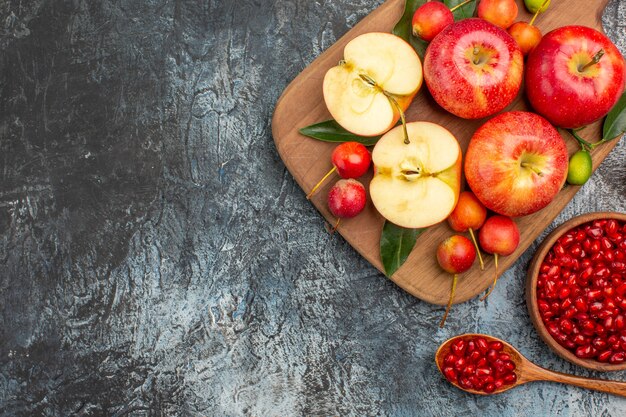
(516, 163)
(473, 68)
(566, 85)
(430, 19)
(499, 12)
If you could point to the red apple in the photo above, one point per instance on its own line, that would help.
(526, 35)
(473, 69)
(566, 85)
(499, 12)
(516, 163)
(430, 19)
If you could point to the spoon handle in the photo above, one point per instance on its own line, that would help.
(610, 387)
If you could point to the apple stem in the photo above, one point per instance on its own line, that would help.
(452, 291)
(596, 58)
(393, 102)
(539, 10)
(458, 6)
(309, 195)
(495, 279)
(402, 118)
(480, 256)
(532, 168)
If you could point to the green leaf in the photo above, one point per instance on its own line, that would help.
(615, 122)
(404, 27)
(331, 131)
(396, 243)
(462, 12)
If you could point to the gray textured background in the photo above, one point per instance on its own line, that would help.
(156, 258)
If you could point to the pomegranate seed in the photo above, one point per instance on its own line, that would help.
(499, 383)
(459, 364)
(568, 239)
(483, 372)
(583, 351)
(611, 227)
(458, 348)
(604, 356)
(481, 362)
(471, 346)
(510, 378)
(469, 370)
(482, 345)
(594, 232)
(449, 359)
(474, 356)
(490, 388)
(449, 373)
(617, 357)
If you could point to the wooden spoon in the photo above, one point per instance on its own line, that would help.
(527, 371)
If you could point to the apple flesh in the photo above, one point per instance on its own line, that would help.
(564, 85)
(416, 185)
(473, 69)
(516, 163)
(354, 102)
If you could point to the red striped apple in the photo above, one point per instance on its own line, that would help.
(516, 163)
(417, 184)
(473, 68)
(377, 80)
(574, 76)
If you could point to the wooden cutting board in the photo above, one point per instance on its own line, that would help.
(308, 160)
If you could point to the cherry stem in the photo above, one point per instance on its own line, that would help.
(452, 292)
(310, 194)
(495, 279)
(480, 256)
(539, 10)
(532, 168)
(458, 6)
(334, 229)
(596, 58)
(393, 102)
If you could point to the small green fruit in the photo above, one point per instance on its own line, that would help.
(534, 5)
(579, 169)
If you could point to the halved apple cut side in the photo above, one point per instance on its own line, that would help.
(416, 185)
(378, 69)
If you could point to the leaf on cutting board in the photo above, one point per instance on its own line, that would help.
(462, 12)
(404, 27)
(615, 122)
(396, 243)
(331, 131)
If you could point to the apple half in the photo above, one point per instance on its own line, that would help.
(379, 73)
(416, 185)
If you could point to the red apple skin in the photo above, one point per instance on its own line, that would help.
(499, 12)
(561, 93)
(469, 213)
(456, 254)
(502, 160)
(526, 36)
(499, 235)
(346, 198)
(466, 89)
(430, 19)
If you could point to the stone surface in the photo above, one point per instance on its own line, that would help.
(156, 258)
